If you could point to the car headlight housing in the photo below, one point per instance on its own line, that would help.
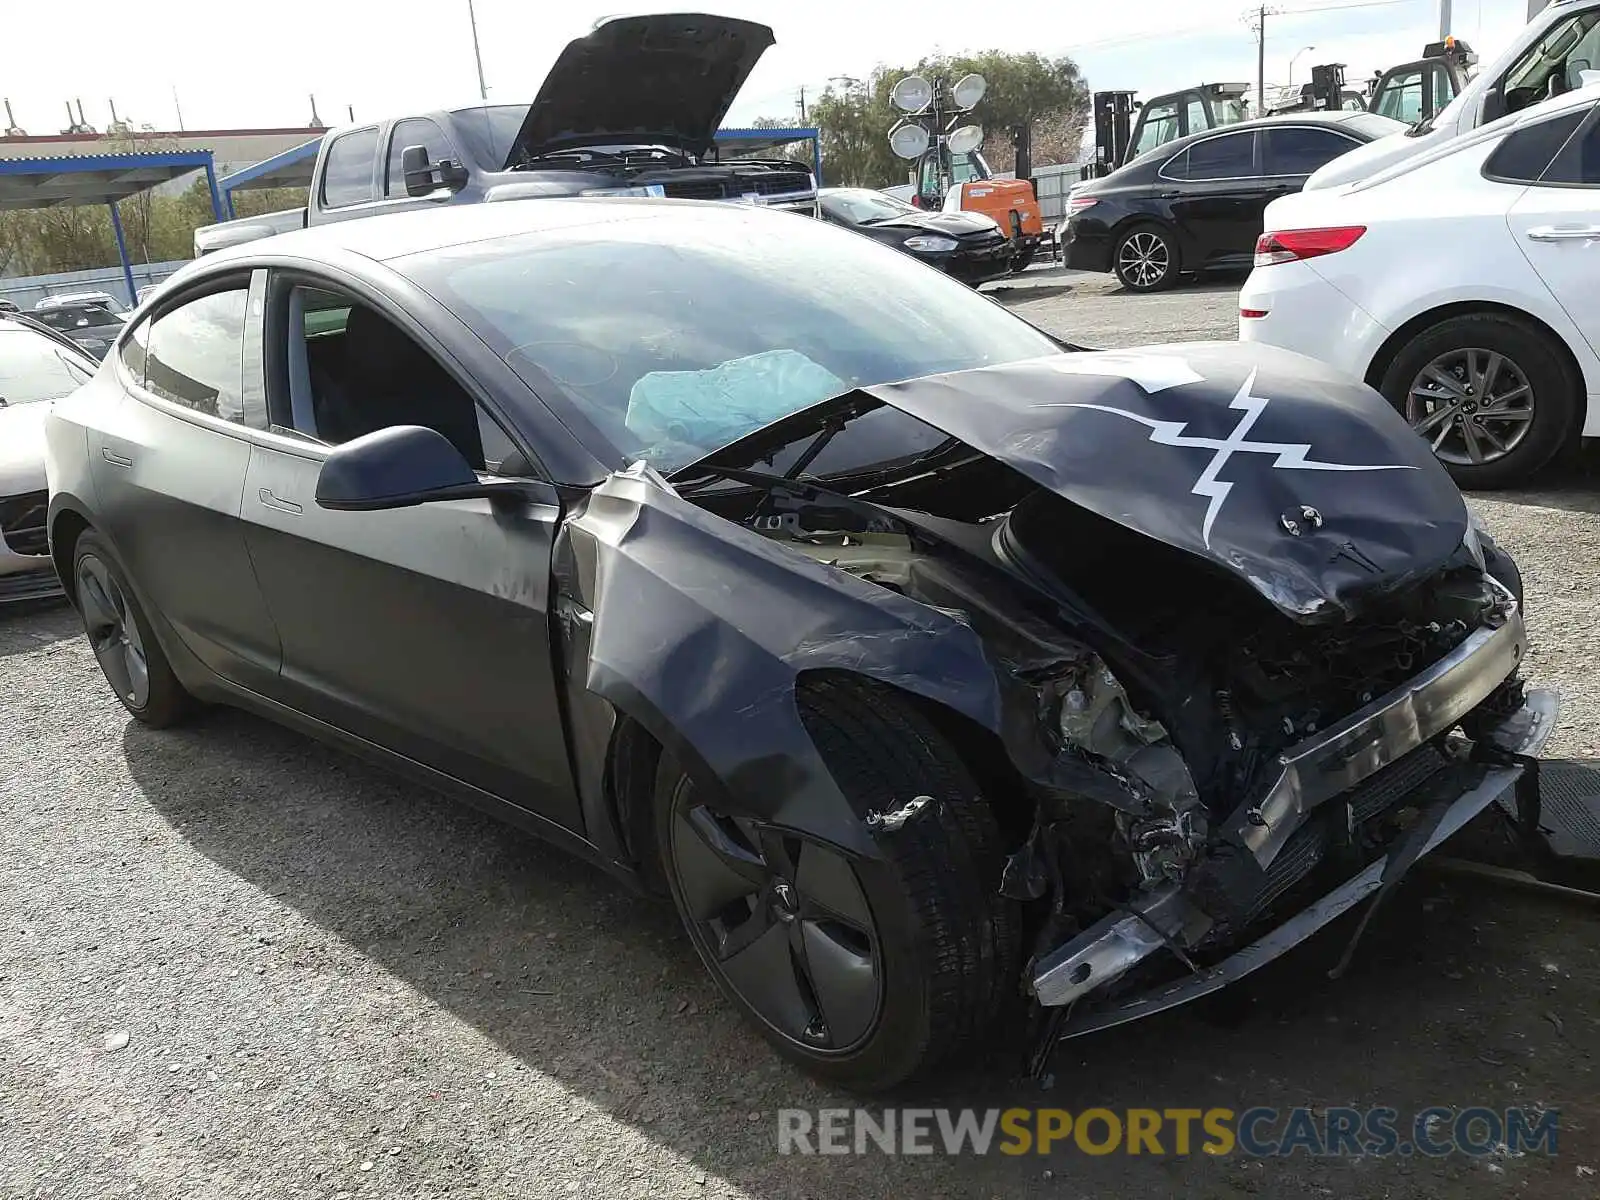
(927, 243)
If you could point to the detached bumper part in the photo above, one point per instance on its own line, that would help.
(1383, 732)
(1113, 946)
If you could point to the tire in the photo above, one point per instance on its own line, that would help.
(131, 659)
(1145, 259)
(1533, 399)
(942, 945)
(1020, 263)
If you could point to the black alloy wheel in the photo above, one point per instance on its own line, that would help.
(129, 655)
(785, 921)
(113, 633)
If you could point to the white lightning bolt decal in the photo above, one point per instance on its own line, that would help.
(1290, 456)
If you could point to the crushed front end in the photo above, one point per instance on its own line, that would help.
(1342, 756)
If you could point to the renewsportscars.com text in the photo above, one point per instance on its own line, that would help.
(1433, 1132)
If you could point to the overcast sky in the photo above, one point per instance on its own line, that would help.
(256, 64)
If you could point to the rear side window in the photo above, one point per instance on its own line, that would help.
(195, 357)
(347, 174)
(1226, 157)
(1579, 160)
(1526, 153)
(415, 131)
(1299, 150)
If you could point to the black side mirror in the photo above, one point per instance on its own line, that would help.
(399, 467)
(424, 178)
(1494, 105)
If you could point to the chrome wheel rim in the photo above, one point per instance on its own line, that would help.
(1143, 259)
(1474, 406)
(113, 633)
(783, 920)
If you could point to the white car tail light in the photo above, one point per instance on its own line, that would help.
(1292, 245)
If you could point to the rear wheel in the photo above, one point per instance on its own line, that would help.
(1146, 259)
(120, 636)
(1490, 393)
(866, 973)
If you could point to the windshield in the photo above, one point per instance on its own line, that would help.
(860, 205)
(488, 131)
(681, 331)
(34, 368)
(78, 316)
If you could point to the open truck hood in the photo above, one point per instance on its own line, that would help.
(668, 78)
(1302, 482)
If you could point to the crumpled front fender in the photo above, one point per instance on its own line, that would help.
(698, 629)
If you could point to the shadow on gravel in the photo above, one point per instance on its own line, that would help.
(1571, 483)
(28, 626)
(598, 988)
(1012, 294)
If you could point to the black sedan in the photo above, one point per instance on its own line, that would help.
(969, 246)
(1196, 204)
(759, 565)
(90, 324)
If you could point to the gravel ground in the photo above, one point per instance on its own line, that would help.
(234, 963)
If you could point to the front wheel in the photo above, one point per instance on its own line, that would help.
(865, 973)
(1146, 259)
(1490, 393)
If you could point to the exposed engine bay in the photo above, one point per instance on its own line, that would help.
(1198, 761)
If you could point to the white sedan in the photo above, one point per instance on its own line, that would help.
(37, 366)
(1463, 283)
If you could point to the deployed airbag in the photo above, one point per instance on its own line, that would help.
(713, 407)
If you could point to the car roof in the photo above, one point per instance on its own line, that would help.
(1581, 97)
(395, 235)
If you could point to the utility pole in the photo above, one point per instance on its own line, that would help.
(1444, 19)
(801, 104)
(1261, 58)
(1535, 7)
(178, 107)
(483, 88)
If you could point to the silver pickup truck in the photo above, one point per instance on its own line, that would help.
(632, 108)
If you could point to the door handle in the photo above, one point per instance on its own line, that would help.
(271, 501)
(1564, 233)
(115, 459)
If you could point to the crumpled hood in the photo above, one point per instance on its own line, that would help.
(1301, 481)
(953, 224)
(22, 447)
(665, 78)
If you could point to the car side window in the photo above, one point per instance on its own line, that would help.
(1300, 150)
(1230, 156)
(414, 131)
(1402, 98)
(354, 372)
(347, 174)
(1525, 154)
(195, 356)
(1578, 161)
(132, 352)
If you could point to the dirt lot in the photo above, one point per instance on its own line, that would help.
(334, 984)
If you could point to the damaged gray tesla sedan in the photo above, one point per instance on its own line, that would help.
(941, 673)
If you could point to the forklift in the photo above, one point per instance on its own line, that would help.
(1416, 91)
(1120, 137)
(1411, 92)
